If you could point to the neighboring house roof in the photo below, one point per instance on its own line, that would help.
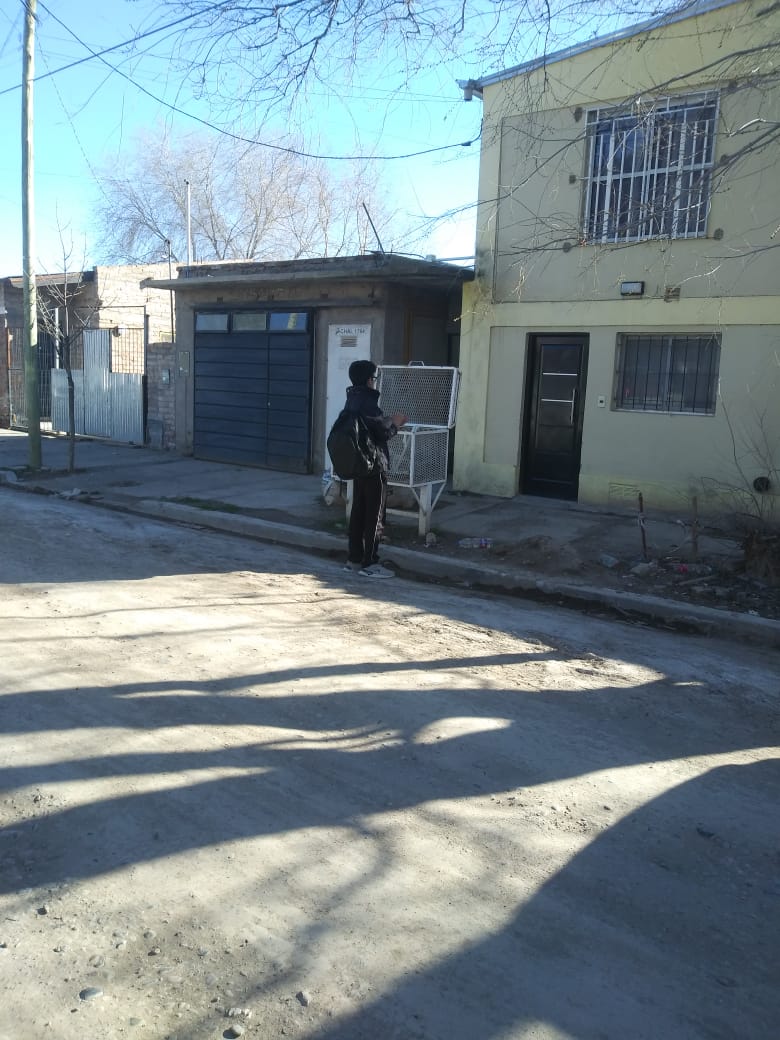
(385, 267)
(17, 281)
(688, 10)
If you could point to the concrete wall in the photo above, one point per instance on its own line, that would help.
(538, 252)
(405, 324)
(527, 283)
(675, 453)
(674, 456)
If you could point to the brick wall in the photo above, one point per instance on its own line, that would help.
(161, 395)
(124, 303)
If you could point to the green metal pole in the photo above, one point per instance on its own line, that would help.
(29, 301)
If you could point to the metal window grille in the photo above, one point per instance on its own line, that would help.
(75, 347)
(650, 170)
(667, 374)
(46, 353)
(127, 350)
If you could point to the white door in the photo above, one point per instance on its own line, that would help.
(346, 343)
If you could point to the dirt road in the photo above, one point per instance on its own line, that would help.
(245, 793)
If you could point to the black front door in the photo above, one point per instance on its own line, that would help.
(555, 394)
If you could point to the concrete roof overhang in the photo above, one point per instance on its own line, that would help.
(376, 267)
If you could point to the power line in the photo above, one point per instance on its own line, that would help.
(78, 139)
(238, 137)
(107, 50)
(11, 30)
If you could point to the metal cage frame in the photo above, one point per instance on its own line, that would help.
(420, 450)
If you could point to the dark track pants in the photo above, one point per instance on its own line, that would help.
(369, 495)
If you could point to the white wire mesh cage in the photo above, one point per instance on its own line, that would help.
(419, 456)
(428, 395)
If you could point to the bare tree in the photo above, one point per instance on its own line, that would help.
(248, 56)
(247, 202)
(57, 310)
(274, 52)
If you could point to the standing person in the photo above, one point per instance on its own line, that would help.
(369, 493)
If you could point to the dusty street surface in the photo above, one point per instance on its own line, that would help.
(245, 793)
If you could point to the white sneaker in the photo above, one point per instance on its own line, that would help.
(350, 566)
(376, 570)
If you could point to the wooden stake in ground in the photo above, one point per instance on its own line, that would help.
(695, 529)
(641, 521)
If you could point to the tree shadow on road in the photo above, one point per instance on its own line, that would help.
(611, 946)
(615, 944)
(586, 953)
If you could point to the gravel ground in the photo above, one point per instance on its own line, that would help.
(245, 793)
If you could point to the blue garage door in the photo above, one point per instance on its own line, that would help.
(253, 386)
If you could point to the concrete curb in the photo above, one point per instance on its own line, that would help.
(238, 523)
(419, 564)
(724, 624)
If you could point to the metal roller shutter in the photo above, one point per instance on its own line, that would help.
(253, 396)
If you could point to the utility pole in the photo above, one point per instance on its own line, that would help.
(29, 300)
(189, 222)
(170, 291)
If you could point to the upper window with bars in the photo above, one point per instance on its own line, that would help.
(650, 170)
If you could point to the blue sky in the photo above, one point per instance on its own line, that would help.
(86, 117)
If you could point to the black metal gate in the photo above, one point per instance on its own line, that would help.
(252, 389)
(17, 388)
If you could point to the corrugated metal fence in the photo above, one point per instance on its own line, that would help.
(108, 367)
(109, 388)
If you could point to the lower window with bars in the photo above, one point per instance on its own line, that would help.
(667, 373)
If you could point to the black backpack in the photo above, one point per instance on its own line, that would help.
(351, 448)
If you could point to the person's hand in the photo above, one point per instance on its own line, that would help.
(399, 420)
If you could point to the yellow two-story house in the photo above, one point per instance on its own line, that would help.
(622, 334)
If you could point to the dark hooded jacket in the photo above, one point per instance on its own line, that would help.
(364, 400)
